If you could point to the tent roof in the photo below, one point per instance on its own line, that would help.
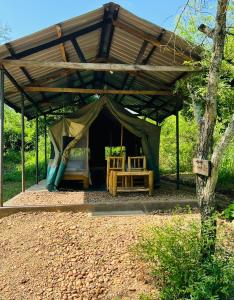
(108, 34)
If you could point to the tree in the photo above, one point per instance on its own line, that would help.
(212, 99)
(206, 185)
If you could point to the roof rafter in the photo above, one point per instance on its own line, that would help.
(137, 61)
(145, 60)
(65, 56)
(111, 11)
(151, 39)
(61, 106)
(136, 97)
(23, 69)
(21, 90)
(58, 41)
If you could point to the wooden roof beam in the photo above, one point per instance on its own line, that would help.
(61, 46)
(56, 95)
(34, 89)
(98, 66)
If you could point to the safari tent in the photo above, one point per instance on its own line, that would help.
(94, 127)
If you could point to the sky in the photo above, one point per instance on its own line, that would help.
(27, 16)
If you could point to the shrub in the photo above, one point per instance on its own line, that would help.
(228, 213)
(174, 253)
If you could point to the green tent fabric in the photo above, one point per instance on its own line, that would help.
(76, 127)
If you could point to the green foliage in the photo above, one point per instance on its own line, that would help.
(228, 213)
(188, 139)
(145, 296)
(12, 131)
(188, 143)
(174, 254)
(12, 155)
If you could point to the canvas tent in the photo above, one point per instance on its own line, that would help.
(77, 127)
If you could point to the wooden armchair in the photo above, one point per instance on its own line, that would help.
(114, 163)
(136, 163)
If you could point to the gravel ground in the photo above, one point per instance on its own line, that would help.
(76, 256)
(72, 256)
(166, 192)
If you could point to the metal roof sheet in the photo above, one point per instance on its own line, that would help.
(125, 47)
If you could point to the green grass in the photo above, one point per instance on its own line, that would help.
(12, 172)
(226, 173)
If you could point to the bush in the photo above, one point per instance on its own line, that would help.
(228, 213)
(174, 253)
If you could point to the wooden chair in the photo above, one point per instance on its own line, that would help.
(114, 163)
(136, 163)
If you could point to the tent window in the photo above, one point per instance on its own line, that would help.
(115, 151)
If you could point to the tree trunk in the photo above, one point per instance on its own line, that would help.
(206, 191)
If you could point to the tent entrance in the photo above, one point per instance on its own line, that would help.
(104, 119)
(104, 140)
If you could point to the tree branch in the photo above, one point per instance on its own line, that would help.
(217, 157)
(206, 30)
(221, 146)
(196, 106)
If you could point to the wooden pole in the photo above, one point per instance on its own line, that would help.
(37, 169)
(45, 136)
(121, 141)
(177, 153)
(22, 145)
(1, 133)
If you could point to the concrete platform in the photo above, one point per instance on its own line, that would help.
(101, 208)
(40, 187)
(117, 213)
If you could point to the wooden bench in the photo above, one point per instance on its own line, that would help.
(127, 179)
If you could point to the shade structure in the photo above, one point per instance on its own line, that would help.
(109, 34)
(77, 126)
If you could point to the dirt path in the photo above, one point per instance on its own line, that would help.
(72, 256)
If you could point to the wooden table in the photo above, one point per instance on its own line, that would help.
(127, 185)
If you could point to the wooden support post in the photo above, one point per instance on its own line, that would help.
(121, 141)
(114, 183)
(45, 139)
(22, 145)
(37, 138)
(177, 153)
(151, 183)
(1, 133)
